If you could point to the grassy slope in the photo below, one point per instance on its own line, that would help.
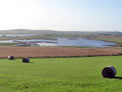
(118, 40)
(111, 39)
(7, 44)
(59, 75)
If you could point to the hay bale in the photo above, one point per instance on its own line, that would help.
(11, 57)
(109, 72)
(25, 60)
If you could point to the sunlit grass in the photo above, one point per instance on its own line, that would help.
(59, 75)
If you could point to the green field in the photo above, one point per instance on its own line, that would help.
(59, 75)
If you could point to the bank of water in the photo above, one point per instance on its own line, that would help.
(61, 42)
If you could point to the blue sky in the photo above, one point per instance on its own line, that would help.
(63, 15)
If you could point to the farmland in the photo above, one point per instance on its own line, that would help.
(59, 69)
(36, 52)
(59, 75)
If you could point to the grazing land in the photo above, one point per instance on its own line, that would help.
(36, 52)
(60, 75)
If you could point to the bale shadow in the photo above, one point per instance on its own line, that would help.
(29, 63)
(120, 78)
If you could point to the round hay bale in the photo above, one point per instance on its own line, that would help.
(11, 57)
(109, 72)
(25, 60)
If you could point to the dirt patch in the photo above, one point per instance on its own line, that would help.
(56, 51)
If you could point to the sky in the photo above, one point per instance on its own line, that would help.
(61, 15)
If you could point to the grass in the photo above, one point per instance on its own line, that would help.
(7, 44)
(59, 75)
(111, 39)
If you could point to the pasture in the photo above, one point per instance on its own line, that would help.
(60, 75)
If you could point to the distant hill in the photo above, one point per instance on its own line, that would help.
(25, 31)
(60, 33)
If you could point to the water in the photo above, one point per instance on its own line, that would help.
(63, 42)
(78, 42)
